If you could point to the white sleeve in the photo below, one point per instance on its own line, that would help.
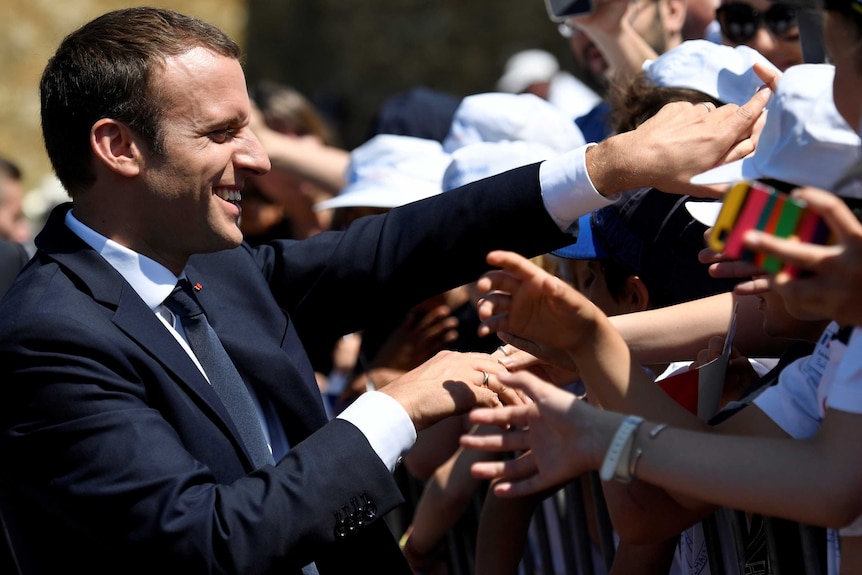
(792, 403)
(567, 190)
(383, 421)
(845, 394)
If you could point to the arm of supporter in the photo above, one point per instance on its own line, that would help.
(610, 30)
(304, 156)
(813, 481)
(502, 534)
(444, 498)
(524, 302)
(680, 331)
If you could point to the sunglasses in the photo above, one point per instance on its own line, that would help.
(740, 22)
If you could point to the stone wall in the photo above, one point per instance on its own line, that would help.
(30, 31)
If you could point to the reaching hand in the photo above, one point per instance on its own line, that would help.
(561, 436)
(831, 287)
(450, 383)
(534, 310)
(422, 334)
(514, 359)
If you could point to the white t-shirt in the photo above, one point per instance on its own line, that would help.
(795, 406)
(799, 407)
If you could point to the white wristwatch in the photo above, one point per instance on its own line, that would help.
(616, 463)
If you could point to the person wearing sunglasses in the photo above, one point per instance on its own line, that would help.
(768, 27)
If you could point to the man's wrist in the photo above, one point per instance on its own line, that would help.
(610, 166)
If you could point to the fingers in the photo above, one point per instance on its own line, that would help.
(792, 252)
(517, 477)
(517, 468)
(754, 286)
(517, 264)
(511, 440)
(501, 416)
(487, 377)
(497, 280)
(492, 304)
(734, 269)
(769, 76)
(744, 117)
(833, 209)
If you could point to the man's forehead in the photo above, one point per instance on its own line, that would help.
(200, 78)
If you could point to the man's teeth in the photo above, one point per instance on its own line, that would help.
(229, 195)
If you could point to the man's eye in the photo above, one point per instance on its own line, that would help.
(222, 136)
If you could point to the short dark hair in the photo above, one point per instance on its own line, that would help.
(635, 101)
(103, 70)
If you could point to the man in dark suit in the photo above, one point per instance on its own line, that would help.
(118, 454)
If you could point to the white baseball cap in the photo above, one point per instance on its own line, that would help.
(391, 170)
(805, 141)
(484, 159)
(525, 68)
(723, 72)
(496, 117)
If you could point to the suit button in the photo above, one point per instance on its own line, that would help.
(370, 509)
(340, 526)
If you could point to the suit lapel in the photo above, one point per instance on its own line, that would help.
(137, 321)
(132, 316)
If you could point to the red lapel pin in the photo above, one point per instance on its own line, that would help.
(197, 287)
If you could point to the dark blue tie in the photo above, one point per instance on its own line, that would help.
(220, 370)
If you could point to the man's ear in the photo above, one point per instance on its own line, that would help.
(116, 147)
(636, 294)
(673, 16)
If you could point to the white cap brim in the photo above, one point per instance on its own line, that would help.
(726, 174)
(389, 194)
(704, 212)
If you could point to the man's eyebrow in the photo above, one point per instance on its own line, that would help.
(216, 123)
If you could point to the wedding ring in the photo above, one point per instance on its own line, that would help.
(706, 105)
(485, 379)
(502, 349)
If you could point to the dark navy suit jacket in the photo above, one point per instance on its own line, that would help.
(119, 458)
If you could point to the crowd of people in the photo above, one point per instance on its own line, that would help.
(239, 344)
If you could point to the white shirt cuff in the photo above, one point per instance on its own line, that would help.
(384, 423)
(567, 190)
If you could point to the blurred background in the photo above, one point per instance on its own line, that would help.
(347, 56)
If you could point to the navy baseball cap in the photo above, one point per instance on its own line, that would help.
(652, 234)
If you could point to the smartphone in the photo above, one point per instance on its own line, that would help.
(559, 10)
(730, 206)
(754, 205)
(757, 203)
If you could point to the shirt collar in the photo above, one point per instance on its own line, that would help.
(152, 281)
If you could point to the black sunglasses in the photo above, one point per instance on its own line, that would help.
(740, 22)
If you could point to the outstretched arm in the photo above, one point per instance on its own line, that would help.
(679, 142)
(540, 313)
(813, 481)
